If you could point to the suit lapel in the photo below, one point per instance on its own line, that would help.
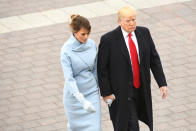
(122, 45)
(141, 46)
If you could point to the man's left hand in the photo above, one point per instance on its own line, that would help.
(163, 91)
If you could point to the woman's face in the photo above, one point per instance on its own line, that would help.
(82, 35)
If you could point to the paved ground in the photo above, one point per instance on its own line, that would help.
(31, 79)
(19, 7)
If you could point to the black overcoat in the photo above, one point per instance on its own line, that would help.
(115, 74)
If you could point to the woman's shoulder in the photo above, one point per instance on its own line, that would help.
(67, 46)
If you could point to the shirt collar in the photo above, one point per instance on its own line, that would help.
(125, 34)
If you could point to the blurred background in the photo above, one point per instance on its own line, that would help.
(32, 33)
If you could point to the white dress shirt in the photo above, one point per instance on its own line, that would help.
(126, 38)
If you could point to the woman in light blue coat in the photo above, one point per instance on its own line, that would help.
(81, 94)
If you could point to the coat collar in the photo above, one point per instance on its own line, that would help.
(79, 49)
(141, 43)
(122, 44)
(125, 34)
(78, 46)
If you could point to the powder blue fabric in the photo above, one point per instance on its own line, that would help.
(79, 63)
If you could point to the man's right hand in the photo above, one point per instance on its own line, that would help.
(105, 98)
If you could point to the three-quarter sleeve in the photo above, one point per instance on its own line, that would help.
(70, 82)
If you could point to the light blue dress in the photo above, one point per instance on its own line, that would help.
(79, 66)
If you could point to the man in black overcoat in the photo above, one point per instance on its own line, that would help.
(125, 57)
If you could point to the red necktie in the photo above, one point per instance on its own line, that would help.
(135, 63)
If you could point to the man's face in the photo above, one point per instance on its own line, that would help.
(128, 23)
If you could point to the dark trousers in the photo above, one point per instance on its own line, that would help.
(133, 124)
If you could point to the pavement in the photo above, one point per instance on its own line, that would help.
(32, 33)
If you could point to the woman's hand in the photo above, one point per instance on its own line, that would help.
(88, 106)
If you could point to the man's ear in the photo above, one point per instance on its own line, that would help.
(119, 21)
